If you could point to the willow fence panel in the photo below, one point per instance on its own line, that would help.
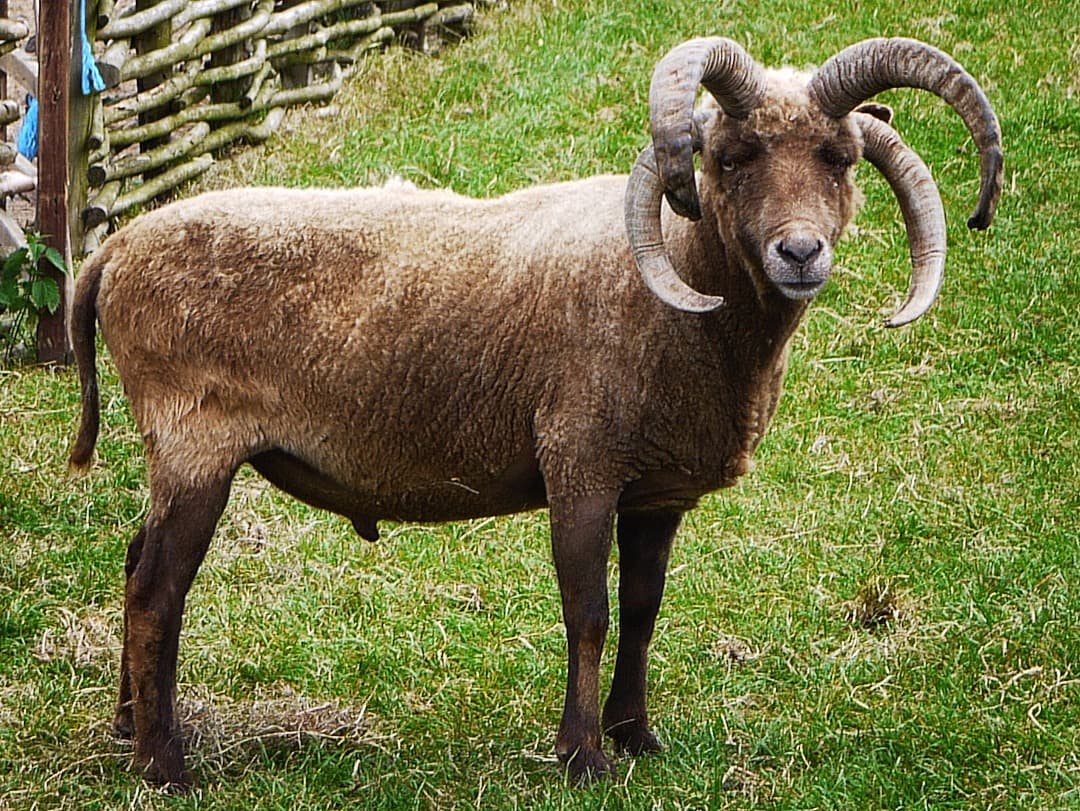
(185, 79)
(166, 84)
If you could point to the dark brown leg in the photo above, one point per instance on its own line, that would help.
(644, 546)
(124, 721)
(581, 543)
(176, 536)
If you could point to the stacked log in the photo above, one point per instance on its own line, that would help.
(186, 78)
(17, 174)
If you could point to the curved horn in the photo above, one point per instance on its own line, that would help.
(920, 204)
(866, 68)
(644, 195)
(729, 73)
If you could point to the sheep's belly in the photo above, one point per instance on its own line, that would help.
(516, 489)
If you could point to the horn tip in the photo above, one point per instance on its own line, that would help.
(702, 304)
(990, 189)
(905, 315)
(684, 202)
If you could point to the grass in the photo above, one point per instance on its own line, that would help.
(884, 615)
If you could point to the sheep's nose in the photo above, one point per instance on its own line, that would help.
(800, 248)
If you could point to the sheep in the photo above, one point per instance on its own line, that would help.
(394, 354)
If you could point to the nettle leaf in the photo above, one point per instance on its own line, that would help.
(26, 283)
(45, 294)
(54, 258)
(9, 292)
(15, 262)
(36, 248)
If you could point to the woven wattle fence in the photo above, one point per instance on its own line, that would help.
(137, 96)
(184, 79)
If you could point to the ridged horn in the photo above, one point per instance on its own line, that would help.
(644, 196)
(920, 204)
(734, 79)
(866, 68)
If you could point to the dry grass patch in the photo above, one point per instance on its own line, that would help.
(88, 637)
(226, 735)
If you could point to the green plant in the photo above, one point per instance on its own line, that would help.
(26, 287)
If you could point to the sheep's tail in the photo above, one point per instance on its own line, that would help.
(83, 334)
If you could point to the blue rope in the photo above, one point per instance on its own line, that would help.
(27, 143)
(91, 76)
(91, 83)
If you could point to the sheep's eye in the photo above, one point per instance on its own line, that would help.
(836, 158)
(738, 154)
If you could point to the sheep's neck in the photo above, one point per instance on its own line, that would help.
(742, 351)
(754, 325)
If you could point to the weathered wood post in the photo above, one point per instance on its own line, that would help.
(152, 39)
(3, 75)
(56, 78)
(234, 89)
(297, 74)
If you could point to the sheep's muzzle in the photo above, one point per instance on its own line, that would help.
(798, 263)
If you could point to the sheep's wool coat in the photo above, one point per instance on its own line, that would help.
(417, 355)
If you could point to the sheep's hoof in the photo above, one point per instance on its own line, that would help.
(165, 771)
(180, 783)
(586, 766)
(124, 724)
(635, 738)
(182, 786)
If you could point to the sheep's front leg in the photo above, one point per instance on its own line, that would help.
(644, 546)
(581, 542)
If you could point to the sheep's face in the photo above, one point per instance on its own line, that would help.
(781, 186)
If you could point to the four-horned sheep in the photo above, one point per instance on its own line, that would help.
(392, 354)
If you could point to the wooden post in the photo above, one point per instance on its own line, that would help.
(231, 91)
(3, 79)
(298, 75)
(153, 39)
(56, 38)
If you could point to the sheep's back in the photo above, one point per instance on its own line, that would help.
(387, 337)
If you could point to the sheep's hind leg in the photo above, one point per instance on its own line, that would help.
(175, 538)
(581, 543)
(124, 720)
(644, 545)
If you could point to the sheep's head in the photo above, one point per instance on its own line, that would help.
(779, 184)
(777, 151)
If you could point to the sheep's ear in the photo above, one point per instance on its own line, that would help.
(882, 112)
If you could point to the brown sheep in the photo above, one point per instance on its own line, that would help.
(395, 354)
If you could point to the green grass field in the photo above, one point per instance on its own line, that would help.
(884, 615)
